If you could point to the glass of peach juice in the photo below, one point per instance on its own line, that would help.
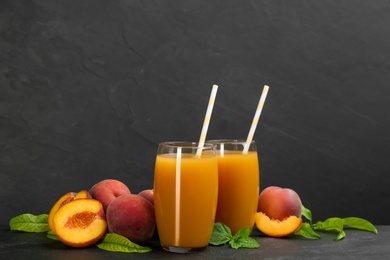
(185, 195)
(239, 183)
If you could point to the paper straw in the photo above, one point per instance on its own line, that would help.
(177, 196)
(207, 118)
(256, 118)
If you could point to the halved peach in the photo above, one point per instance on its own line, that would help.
(83, 194)
(64, 199)
(80, 223)
(277, 228)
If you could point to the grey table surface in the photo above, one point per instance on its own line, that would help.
(356, 245)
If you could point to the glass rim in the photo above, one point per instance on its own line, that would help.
(187, 144)
(228, 141)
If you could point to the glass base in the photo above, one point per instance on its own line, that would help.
(183, 250)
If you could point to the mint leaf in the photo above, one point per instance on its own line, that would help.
(238, 239)
(307, 214)
(359, 223)
(221, 234)
(249, 242)
(306, 231)
(117, 243)
(236, 242)
(52, 235)
(340, 236)
(242, 239)
(243, 232)
(30, 223)
(330, 224)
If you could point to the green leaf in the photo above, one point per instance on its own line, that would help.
(330, 224)
(238, 239)
(307, 214)
(340, 236)
(360, 223)
(243, 232)
(249, 242)
(306, 231)
(30, 223)
(221, 234)
(52, 235)
(117, 243)
(242, 239)
(236, 242)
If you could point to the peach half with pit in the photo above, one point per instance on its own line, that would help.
(80, 222)
(67, 197)
(279, 211)
(83, 194)
(131, 216)
(107, 190)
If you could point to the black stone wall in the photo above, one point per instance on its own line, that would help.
(89, 88)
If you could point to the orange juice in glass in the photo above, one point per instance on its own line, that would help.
(185, 195)
(239, 184)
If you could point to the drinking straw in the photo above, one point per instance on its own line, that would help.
(256, 118)
(206, 121)
(177, 196)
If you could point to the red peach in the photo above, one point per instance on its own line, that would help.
(132, 216)
(148, 194)
(279, 203)
(107, 190)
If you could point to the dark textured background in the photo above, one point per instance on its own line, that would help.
(89, 88)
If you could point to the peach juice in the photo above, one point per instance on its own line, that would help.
(185, 196)
(239, 181)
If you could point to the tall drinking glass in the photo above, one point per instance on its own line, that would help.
(239, 183)
(185, 195)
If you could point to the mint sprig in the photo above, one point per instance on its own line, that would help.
(334, 224)
(222, 235)
(30, 223)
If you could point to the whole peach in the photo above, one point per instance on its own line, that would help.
(279, 203)
(148, 194)
(132, 216)
(107, 190)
